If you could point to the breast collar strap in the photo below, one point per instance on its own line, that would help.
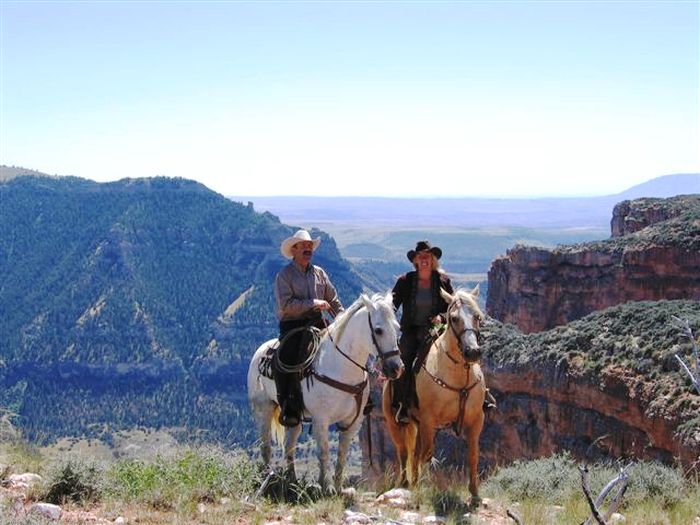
(357, 391)
(462, 392)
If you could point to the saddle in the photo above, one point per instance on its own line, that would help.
(301, 349)
(287, 362)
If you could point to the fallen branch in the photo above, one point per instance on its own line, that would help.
(694, 377)
(617, 499)
(587, 491)
(621, 479)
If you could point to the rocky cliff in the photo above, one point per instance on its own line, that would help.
(654, 254)
(603, 386)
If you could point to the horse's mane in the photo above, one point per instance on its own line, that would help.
(465, 296)
(342, 320)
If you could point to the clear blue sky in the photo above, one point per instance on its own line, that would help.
(511, 98)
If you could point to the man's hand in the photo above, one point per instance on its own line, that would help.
(320, 304)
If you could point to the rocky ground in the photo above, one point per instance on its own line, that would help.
(393, 507)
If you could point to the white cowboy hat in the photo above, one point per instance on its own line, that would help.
(299, 236)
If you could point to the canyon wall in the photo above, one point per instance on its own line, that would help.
(654, 254)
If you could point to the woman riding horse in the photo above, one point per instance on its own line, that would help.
(419, 294)
(450, 389)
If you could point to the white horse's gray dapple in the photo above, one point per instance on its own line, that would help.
(337, 389)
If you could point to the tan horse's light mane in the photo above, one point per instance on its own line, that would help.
(466, 297)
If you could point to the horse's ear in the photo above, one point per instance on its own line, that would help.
(446, 296)
(475, 291)
(366, 301)
(389, 298)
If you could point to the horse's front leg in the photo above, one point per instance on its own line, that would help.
(291, 436)
(424, 446)
(472, 434)
(320, 431)
(402, 463)
(343, 449)
(412, 444)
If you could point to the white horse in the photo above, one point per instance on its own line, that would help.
(337, 389)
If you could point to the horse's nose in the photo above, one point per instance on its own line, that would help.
(394, 370)
(472, 354)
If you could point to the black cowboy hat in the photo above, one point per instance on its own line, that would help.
(422, 246)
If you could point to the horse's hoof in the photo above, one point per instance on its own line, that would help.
(349, 494)
(290, 476)
(475, 502)
(314, 492)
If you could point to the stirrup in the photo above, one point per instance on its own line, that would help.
(401, 417)
(489, 401)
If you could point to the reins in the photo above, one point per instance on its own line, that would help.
(382, 355)
(346, 356)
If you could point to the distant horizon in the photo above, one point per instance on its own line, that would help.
(403, 99)
(404, 197)
(494, 197)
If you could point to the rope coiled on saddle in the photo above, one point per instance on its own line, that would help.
(313, 346)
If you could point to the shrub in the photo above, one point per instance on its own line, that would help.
(654, 481)
(553, 479)
(183, 477)
(74, 480)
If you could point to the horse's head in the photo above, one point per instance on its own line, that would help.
(464, 321)
(384, 329)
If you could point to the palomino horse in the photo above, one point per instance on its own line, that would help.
(337, 387)
(450, 388)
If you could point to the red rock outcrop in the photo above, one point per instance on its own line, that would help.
(633, 216)
(654, 254)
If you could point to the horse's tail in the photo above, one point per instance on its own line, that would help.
(276, 429)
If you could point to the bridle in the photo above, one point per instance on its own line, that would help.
(382, 355)
(458, 335)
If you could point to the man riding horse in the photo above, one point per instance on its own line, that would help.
(302, 291)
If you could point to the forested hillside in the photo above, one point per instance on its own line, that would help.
(136, 302)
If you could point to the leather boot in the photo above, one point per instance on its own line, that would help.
(290, 413)
(489, 401)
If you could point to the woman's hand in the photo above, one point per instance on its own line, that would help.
(438, 319)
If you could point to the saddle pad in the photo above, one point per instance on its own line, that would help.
(265, 364)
